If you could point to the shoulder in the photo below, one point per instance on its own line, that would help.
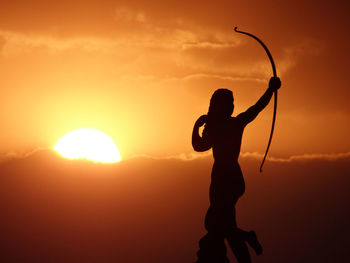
(239, 119)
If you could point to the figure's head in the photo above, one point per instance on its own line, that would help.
(221, 104)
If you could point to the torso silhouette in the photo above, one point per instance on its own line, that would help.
(225, 137)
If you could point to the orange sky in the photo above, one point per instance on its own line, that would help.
(143, 71)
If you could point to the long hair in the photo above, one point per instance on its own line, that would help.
(220, 109)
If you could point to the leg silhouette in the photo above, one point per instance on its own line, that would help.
(212, 249)
(239, 247)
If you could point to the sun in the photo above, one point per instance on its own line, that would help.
(88, 144)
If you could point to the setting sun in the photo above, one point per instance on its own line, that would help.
(88, 144)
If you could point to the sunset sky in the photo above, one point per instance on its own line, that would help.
(142, 72)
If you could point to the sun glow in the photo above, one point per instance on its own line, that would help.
(88, 144)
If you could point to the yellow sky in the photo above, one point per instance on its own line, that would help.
(142, 72)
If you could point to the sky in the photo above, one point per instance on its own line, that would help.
(142, 72)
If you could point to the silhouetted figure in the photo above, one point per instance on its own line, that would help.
(223, 134)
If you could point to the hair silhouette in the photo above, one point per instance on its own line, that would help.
(221, 104)
(223, 134)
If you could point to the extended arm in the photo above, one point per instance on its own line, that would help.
(200, 144)
(254, 110)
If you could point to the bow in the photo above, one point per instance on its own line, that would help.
(275, 97)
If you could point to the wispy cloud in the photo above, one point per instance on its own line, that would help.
(181, 156)
(194, 49)
(196, 156)
(222, 77)
(301, 157)
(124, 14)
(14, 43)
(7, 156)
(254, 155)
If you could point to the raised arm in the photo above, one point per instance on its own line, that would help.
(200, 144)
(250, 114)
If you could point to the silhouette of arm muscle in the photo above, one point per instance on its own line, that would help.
(250, 114)
(200, 144)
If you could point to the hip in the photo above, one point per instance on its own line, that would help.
(227, 183)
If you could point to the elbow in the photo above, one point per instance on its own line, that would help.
(200, 145)
(196, 147)
(200, 148)
(195, 144)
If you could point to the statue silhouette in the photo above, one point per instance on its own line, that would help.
(223, 133)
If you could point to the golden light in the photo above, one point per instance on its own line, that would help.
(88, 144)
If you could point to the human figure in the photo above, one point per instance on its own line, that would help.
(223, 133)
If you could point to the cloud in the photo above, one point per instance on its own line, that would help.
(191, 49)
(182, 156)
(246, 156)
(259, 156)
(305, 157)
(15, 43)
(299, 158)
(292, 54)
(219, 77)
(202, 156)
(12, 155)
(124, 14)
